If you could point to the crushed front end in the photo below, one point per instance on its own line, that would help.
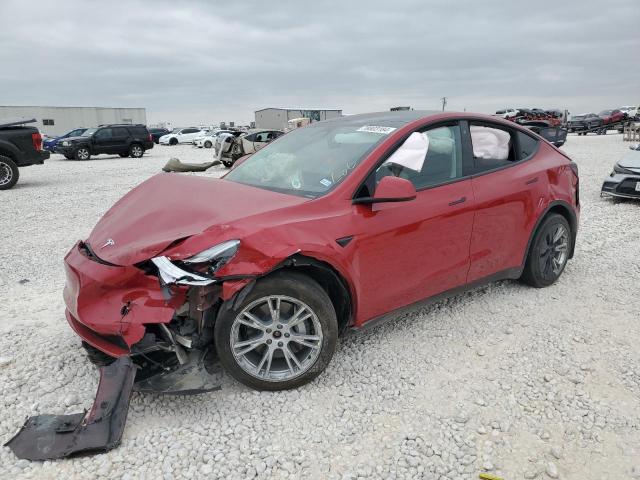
(146, 331)
(130, 311)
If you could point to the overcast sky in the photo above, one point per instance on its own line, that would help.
(203, 61)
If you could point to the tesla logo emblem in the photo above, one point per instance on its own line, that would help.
(109, 243)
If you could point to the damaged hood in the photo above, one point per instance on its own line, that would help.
(171, 207)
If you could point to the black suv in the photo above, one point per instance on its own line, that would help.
(124, 140)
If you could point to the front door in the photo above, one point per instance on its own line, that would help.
(408, 251)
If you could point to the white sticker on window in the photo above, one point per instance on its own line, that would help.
(374, 129)
(326, 182)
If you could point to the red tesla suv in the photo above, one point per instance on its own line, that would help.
(332, 226)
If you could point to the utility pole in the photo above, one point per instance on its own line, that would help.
(444, 102)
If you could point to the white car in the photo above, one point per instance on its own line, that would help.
(208, 139)
(507, 113)
(182, 135)
(630, 110)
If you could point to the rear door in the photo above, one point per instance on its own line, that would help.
(509, 189)
(121, 140)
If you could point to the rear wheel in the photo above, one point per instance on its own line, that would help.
(281, 336)
(83, 153)
(549, 252)
(136, 150)
(9, 173)
(208, 144)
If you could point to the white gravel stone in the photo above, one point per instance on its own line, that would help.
(399, 398)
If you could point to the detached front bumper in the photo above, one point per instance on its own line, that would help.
(109, 306)
(621, 185)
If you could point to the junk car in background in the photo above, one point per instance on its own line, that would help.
(231, 147)
(624, 180)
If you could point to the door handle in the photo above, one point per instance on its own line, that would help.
(456, 202)
(531, 181)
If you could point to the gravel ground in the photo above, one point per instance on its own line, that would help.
(521, 382)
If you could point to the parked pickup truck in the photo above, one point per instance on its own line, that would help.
(20, 146)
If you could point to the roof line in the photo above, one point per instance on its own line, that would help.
(299, 109)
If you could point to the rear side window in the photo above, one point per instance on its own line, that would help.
(492, 147)
(120, 132)
(527, 146)
(103, 134)
(495, 147)
(138, 131)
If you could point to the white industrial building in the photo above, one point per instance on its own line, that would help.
(59, 120)
(277, 118)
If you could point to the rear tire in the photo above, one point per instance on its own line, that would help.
(9, 173)
(208, 144)
(549, 252)
(136, 150)
(281, 307)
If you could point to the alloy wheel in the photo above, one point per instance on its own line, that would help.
(554, 251)
(83, 154)
(6, 174)
(276, 338)
(136, 151)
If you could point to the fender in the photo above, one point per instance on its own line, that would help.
(573, 223)
(8, 149)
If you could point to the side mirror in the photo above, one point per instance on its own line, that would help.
(390, 189)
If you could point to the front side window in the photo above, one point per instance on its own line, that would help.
(426, 158)
(310, 161)
(103, 134)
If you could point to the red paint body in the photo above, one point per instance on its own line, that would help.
(400, 253)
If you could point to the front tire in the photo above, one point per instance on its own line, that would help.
(9, 173)
(549, 252)
(97, 357)
(281, 336)
(208, 144)
(83, 153)
(173, 141)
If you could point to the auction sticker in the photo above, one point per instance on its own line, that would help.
(375, 129)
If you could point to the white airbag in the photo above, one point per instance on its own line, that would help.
(490, 143)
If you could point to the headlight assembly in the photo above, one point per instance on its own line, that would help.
(204, 264)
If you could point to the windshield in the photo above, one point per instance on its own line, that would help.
(176, 130)
(309, 161)
(89, 132)
(606, 112)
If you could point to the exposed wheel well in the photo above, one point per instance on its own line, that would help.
(6, 153)
(330, 280)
